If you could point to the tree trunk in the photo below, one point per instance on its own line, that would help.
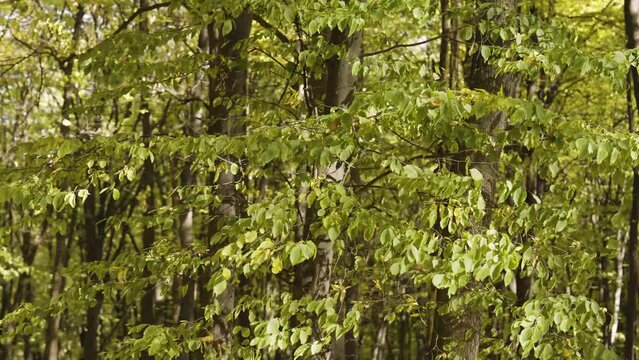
(61, 260)
(339, 92)
(147, 303)
(93, 249)
(225, 93)
(443, 46)
(453, 68)
(619, 262)
(631, 16)
(464, 330)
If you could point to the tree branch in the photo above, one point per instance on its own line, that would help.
(137, 13)
(400, 46)
(260, 20)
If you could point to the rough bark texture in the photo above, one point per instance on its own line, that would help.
(339, 92)
(229, 88)
(463, 330)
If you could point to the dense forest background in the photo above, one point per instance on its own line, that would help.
(319, 179)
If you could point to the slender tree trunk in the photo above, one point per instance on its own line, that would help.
(186, 308)
(24, 292)
(379, 351)
(61, 260)
(51, 349)
(453, 72)
(631, 16)
(350, 340)
(93, 249)
(443, 47)
(147, 303)
(619, 262)
(524, 281)
(605, 295)
(67, 68)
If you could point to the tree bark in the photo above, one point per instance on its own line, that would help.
(614, 322)
(225, 93)
(453, 72)
(443, 46)
(61, 259)
(93, 249)
(463, 331)
(339, 93)
(147, 303)
(631, 17)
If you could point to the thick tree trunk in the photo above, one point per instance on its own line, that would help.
(339, 92)
(463, 330)
(631, 16)
(226, 117)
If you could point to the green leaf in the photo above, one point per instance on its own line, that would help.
(614, 155)
(602, 152)
(476, 175)
(561, 225)
(467, 33)
(115, 194)
(546, 353)
(219, 287)
(296, 255)
(395, 268)
(509, 277)
(83, 194)
(524, 338)
(333, 233)
(485, 52)
(316, 348)
(68, 146)
(412, 171)
(227, 26)
(519, 196)
(276, 266)
(69, 198)
(272, 326)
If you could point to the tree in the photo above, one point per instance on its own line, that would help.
(317, 179)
